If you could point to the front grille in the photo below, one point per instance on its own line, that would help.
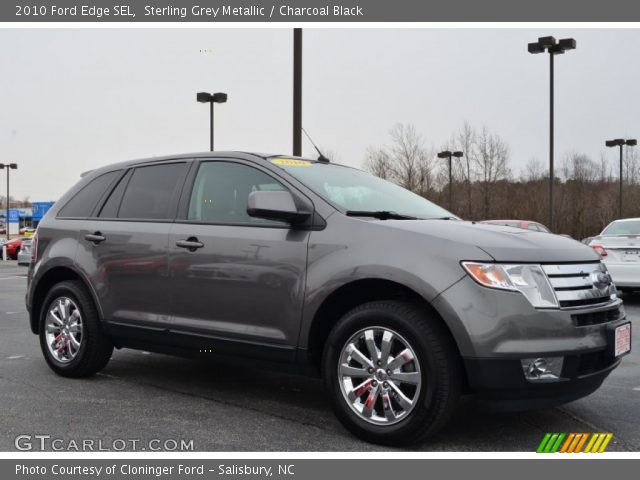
(596, 318)
(573, 284)
(587, 363)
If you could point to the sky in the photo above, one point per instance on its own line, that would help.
(75, 99)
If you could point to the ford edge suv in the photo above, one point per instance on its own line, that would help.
(399, 305)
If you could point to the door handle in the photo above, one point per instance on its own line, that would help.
(95, 237)
(191, 244)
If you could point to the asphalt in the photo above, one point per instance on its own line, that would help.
(142, 396)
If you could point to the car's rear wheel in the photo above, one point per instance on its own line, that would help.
(71, 336)
(392, 371)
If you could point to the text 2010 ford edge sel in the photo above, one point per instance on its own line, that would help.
(399, 305)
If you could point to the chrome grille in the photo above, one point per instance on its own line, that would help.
(575, 286)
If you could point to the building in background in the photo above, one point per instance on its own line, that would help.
(23, 218)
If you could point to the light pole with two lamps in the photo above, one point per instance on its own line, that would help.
(620, 142)
(9, 167)
(549, 44)
(448, 154)
(211, 98)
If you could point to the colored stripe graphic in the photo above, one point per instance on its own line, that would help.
(581, 443)
(543, 443)
(574, 442)
(551, 443)
(567, 442)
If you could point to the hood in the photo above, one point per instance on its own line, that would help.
(504, 244)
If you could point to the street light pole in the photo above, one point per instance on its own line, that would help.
(620, 142)
(448, 155)
(297, 92)
(211, 98)
(9, 167)
(211, 126)
(549, 44)
(551, 140)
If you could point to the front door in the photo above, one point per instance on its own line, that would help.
(238, 282)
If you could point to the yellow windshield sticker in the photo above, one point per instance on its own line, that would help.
(291, 162)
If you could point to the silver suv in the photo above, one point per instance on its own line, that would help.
(396, 303)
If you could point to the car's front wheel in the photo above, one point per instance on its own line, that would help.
(392, 371)
(71, 336)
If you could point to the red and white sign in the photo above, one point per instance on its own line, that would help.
(623, 339)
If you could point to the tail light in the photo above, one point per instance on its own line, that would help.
(600, 250)
(34, 248)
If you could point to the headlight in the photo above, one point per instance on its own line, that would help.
(529, 280)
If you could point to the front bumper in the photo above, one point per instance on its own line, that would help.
(495, 330)
(502, 385)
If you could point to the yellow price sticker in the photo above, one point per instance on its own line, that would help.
(291, 162)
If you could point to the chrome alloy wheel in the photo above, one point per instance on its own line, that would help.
(379, 375)
(63, 329)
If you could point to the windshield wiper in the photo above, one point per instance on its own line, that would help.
(381, 215)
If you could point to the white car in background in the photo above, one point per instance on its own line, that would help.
(619, 247)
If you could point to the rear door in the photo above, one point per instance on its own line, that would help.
(124, 249)
(240, 288)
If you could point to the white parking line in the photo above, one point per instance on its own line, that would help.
(14, 357)
(637, 389)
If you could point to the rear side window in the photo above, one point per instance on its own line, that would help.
(150, 191)
(110, 207)
(83, 202)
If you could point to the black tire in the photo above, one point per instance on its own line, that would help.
(440, 366)
(95, 347)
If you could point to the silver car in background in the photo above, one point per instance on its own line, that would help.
(24, 255)
(619, 247)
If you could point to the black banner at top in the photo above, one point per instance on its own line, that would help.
(320, 11)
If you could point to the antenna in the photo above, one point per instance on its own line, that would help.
(321, 158)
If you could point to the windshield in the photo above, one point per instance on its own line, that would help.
(628, 227)
(358, 191)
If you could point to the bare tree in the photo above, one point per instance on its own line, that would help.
(492, 159)
(465, 140)
(406, 161)
(378, 162)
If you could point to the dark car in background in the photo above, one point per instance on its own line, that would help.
(400, 307)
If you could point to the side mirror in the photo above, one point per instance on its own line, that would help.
(275, 205)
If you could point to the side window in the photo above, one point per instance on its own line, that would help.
(82, 203)
(221, 190)
(149, 192)
(110, 208)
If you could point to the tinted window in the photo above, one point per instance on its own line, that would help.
(83, 202)
(221, 190)
(110, 208)
(149, 192)
(534, 227)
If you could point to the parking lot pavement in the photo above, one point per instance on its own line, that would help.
(225, 407)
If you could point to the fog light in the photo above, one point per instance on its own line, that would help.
(542, 369)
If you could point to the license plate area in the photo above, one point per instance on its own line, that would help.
(621, 341)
